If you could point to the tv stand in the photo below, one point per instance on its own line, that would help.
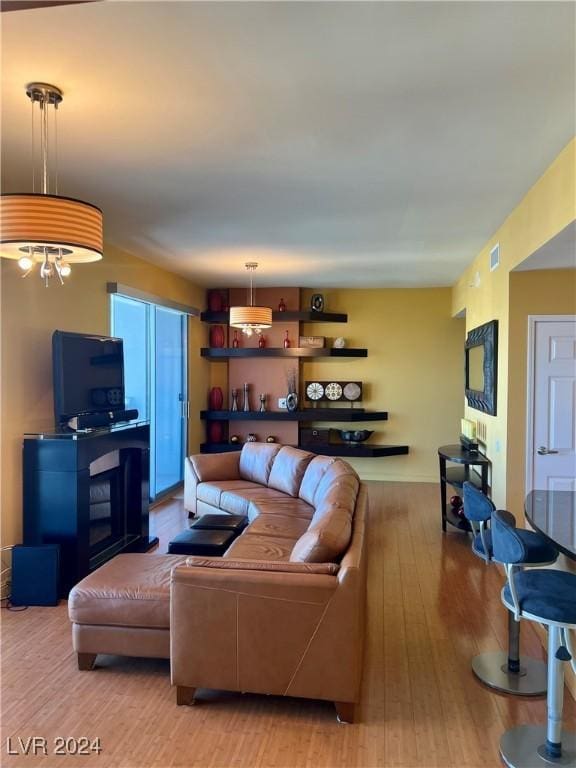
(88, 492)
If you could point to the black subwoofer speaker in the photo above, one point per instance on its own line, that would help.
(35, 575)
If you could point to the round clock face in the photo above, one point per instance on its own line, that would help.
(352, 391)
(315, 390)
(333, 391)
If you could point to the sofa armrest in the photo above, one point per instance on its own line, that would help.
(279, 566)
(244, 630)
(206, 468)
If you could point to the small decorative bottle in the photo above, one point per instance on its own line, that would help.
(262, 403)
(286, 341)
(262, 341)
(282, 306)
(234, 400)
(235, 343)
(246, 399)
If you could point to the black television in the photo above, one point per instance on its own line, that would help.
(88, 376)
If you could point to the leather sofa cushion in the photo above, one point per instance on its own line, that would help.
(131, 590)
(262, 565)
(256, 461)
(342, 493)
(237, 502)
(217, 466)
(211, 493)
(327, 540)
(253, 547)
(314, 473)
(286, 506)
(288, 470)
(286, 526)
(335, 471)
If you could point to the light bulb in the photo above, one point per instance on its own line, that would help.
(247, 331)
(46, 270)
(25, 263)
(65, 269)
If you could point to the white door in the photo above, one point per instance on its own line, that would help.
(552, 435)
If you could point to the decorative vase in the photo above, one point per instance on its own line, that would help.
(292, 401)
(235, 342)
(251, 438)
(215, 399)
(234, 400)
(215, 301)
(262, 403)
(215, 431)
(246, 408)
(217, 336)
(286, 341)
(262, 341)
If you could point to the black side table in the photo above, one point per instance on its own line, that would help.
(456, 476)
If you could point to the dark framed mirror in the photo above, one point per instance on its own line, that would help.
(481, 371)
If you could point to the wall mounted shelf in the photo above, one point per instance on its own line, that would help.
(307, 414)
(226, 353)
(289, 316)
(334, 449)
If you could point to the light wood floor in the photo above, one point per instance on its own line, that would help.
(432, 606)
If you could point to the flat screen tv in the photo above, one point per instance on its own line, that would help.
(88, 375)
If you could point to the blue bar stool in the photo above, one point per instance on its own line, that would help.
(548, 597)
(506, 672)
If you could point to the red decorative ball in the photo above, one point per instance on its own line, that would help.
(455, 501)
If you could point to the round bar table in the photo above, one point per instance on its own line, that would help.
(553, 514)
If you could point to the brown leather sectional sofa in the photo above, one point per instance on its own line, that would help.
(282, 612)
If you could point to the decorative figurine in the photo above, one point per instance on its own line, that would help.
(286, 341)
(246, 399)
(262, 341)
(251, 438)
(234, 400)
(262, 403)
(282, 306)
(235, 343)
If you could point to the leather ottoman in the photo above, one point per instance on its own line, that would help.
(235, 523)
(197, 541)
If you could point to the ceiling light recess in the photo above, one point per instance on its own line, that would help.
(44, 227)
(251, 319)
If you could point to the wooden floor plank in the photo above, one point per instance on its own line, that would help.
(431, 606)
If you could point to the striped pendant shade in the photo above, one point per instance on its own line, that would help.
(251, 317)
(48, 221)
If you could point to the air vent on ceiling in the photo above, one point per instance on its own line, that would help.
(495, 257)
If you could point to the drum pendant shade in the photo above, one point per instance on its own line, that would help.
(251, 318)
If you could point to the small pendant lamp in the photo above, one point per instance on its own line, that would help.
(251, 319)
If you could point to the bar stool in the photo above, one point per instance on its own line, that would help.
(548, 597)
(507, 672)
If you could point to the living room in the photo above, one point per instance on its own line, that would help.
(389, 158)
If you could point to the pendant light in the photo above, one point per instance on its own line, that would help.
(44, 227)
(251, 319)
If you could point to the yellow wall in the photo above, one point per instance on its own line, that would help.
(414, 370)
(30, 313)
(546, 210)
(542, 292)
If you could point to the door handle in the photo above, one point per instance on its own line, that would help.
(543, 451)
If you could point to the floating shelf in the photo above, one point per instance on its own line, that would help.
(289, 316)
(308, 414)
(334, 449)
(359, 450)
(226, 353)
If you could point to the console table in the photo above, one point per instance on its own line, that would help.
(456, 476)
(553, 514)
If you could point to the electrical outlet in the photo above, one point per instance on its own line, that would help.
(282, 402)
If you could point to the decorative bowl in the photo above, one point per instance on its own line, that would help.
(355, 435)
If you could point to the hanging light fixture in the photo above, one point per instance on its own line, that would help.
(43, 227)
(251, 319)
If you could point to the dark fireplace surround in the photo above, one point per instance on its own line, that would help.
(88, 493)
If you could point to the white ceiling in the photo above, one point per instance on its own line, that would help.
(338, 144)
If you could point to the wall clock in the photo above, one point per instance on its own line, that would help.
(314, 390)
(333, 391)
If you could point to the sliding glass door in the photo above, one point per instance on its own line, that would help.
(155, 371)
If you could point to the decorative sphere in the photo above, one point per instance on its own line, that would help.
(234, 439)
(339, 343)
(456, 502)
(270, 439)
